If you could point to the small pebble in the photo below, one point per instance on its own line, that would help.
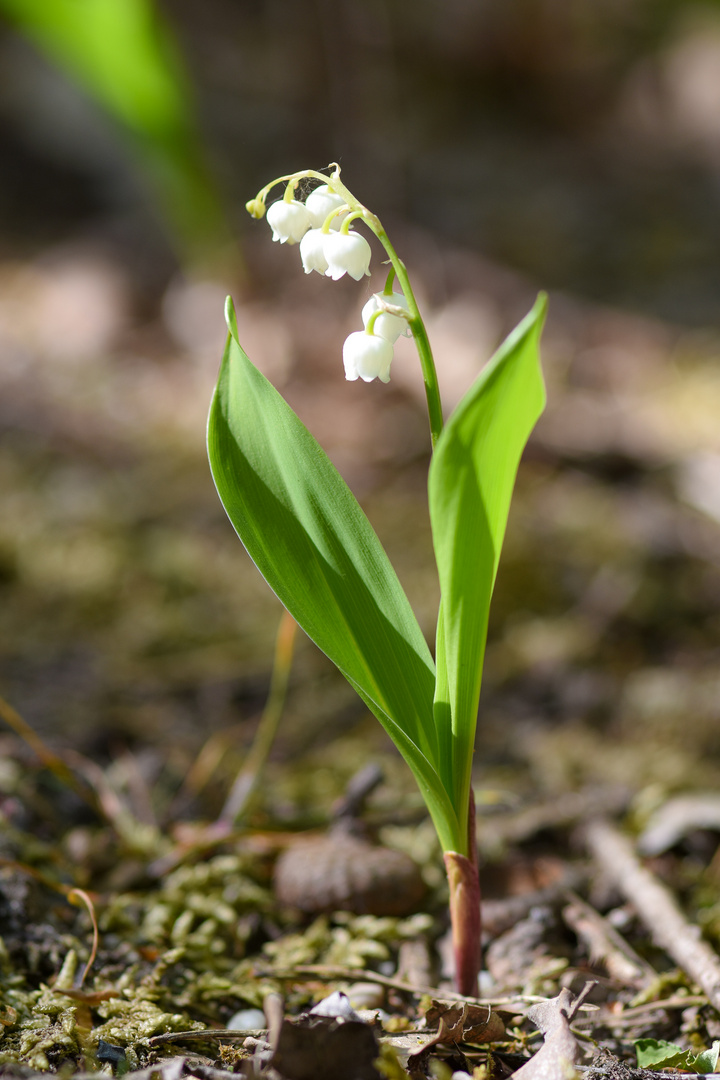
(366, 995)
(620, 918)
(107, 1052)
(251, 1043)
(337, 1005)
(248, 1020)
(373, 1017)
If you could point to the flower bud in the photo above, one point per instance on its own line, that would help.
(386, 325)
(321, 202)
(289, 221)
(367, 356)
(346, 253)
(256, 208)
(312, 251)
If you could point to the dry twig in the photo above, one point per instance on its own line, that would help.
(605, 943)
(656, 906)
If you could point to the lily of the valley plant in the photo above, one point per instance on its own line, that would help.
(305, 530)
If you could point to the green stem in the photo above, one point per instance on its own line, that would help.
(415, 322)
(388, 290)
(356, 210)
(419, 333)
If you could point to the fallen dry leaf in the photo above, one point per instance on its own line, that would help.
(556, 1057)
(324, 1048)
(465, 1022)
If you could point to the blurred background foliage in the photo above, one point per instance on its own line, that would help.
(507, 145)
(122, 55)
(578, 143)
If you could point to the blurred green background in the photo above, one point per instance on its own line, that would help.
(575, 142)
(508, 145)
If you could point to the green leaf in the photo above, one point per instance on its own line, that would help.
(123, 54)
(707, 1060)
(653, 1053)
(119, 49)
(305, 531)
(470, 486)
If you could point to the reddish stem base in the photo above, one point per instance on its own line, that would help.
(465, 918)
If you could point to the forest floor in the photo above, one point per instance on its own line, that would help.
(145, 933)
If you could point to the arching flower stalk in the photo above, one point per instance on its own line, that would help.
(335, 251)
(392, 310)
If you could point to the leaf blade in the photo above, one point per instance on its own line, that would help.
(470, 485)
(310, 539)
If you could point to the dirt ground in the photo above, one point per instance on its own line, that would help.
(161, 918)
(137, 648)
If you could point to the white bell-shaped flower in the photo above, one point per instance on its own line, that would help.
(347, 253)
(289, 221)
(312, 251)
(386, 325)
(367, 357)
(321, 202)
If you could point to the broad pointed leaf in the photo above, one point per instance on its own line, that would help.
(308, 536)
(470, 486)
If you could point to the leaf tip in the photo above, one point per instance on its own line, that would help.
(230, 317)
(540, 307)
